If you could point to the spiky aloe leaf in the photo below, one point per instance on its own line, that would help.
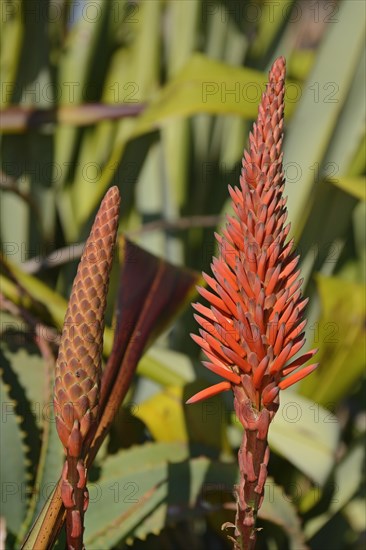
(154, 480)
(30, 380)
(13, 465)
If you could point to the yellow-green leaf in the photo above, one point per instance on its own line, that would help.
(354, 186)
(340, 335)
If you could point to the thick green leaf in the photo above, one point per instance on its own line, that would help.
(322, 238)
(74, 76)
(168, 419)
(26, 366)
(272, 18)
(12, 32)
(190, 487)
(51, 455)
(306, 434)
(25, 225)
(354, 186)
(147, 488)
(185, 18)
(150, 198)
(153, 479)
(347, 479)
(340, 335)
(350, 130)
(43, 533)
(359, 230)
(31, 382)
(20, 119)
(300, 63)
(358, 162)
(181, 366)
(52, 458)
(278, 508)
(30, 292)
(14, 220)
(133, 484)
(354, 511)
(323, 96)
(132, 78)
(13, 475)
(202, 86)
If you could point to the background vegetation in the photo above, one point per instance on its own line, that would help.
(158, 97)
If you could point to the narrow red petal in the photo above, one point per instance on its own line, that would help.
(236, 359)
(209, 392)
(297, 376)
(293, 278)
(207, 312)
(224, 270)
(287, 312)
(213, 299)
(280, 360)
(270, 392)
(280, 304)
(227, 364)
(230, 341)
(278, 345)
(273, 280)
(296, 331)
(262, 266)
(260, 372)
(296, 347)
(206, 346)
(298, 362)
(227, 300)
(215, 345)
(289, 268)
(211, 328)
(225, 373)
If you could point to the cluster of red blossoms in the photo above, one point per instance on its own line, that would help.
(254, 328)
(255, 324)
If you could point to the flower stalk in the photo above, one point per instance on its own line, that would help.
(78, 366)
(254, 327)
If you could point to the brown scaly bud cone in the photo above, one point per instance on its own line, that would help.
(255, 324)
(78, 366)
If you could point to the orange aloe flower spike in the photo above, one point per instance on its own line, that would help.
(255, 301)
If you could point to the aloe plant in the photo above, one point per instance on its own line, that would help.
(254, 326)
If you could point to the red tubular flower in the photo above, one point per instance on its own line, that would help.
(254, 327)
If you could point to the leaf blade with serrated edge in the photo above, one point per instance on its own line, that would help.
(13, 468)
